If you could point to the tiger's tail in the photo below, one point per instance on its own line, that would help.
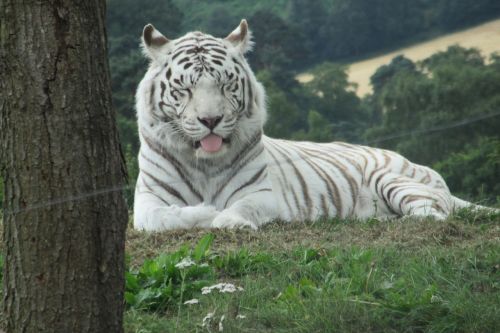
(459, 204)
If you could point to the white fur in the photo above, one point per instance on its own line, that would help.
(180, 186)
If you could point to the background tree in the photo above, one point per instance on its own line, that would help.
(454, 14)
(385, 72)
(64, 212)
(286, 117)
(444, 112)
(474, 172)
(279, 44)
(310, 17)
(337, 102)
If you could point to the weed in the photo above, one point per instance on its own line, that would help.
(169, 279)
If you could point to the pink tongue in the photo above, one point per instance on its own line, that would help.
(211, 143)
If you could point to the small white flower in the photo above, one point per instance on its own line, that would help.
(240, 316)
(387, 285)
(192, 301)
(207, 319)
(436, 299)
(206, 290)
(226, 288)
(185, 263)
(204, 265)
(221, 328)
(222, 287)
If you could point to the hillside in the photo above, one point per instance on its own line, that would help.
(330, 276)
(485, 37)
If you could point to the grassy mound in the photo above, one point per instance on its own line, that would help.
(330, 276)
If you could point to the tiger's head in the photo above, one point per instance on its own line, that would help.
(199, 96)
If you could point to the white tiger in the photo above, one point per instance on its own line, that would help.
(204, 161)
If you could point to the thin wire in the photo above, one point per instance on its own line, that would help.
(459, 123)
(69, 199)
(107, 190)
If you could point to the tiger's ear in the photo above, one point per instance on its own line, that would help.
(241, 37)
(154, 43)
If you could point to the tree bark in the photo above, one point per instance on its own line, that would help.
(64, 211)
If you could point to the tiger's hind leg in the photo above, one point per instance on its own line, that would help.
(405, 196)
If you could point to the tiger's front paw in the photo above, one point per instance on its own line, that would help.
(199, 216)
(231, 221)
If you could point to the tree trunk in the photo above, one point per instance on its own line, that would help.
(64, 212)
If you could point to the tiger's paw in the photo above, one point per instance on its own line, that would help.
(199, 216)
(232, 221)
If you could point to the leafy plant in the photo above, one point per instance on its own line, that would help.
(240, 263)
(168, 280)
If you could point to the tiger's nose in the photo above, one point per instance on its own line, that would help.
(210, 123)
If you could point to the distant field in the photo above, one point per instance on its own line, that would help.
(485, 37)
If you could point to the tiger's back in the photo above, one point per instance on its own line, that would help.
(339, 179)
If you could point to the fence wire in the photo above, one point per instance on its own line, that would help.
(107, 190)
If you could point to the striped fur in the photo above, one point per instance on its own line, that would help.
(252, 179)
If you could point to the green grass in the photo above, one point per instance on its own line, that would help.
(335, 275)
(330, 276)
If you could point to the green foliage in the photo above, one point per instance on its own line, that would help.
(333, 30)
(443, 111)
(319, 129)
(412, 288)
(220, 17)
(164, 282)
(241, 263)
(380, 286)
(280, 45)
(352, 28)
(453, 14)
(475, 171)
(311, 17)
(128, 17)
(201, 249)
(386, 72)
(324, 109)
(284, 116)
(337, 103)
(480, 217)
